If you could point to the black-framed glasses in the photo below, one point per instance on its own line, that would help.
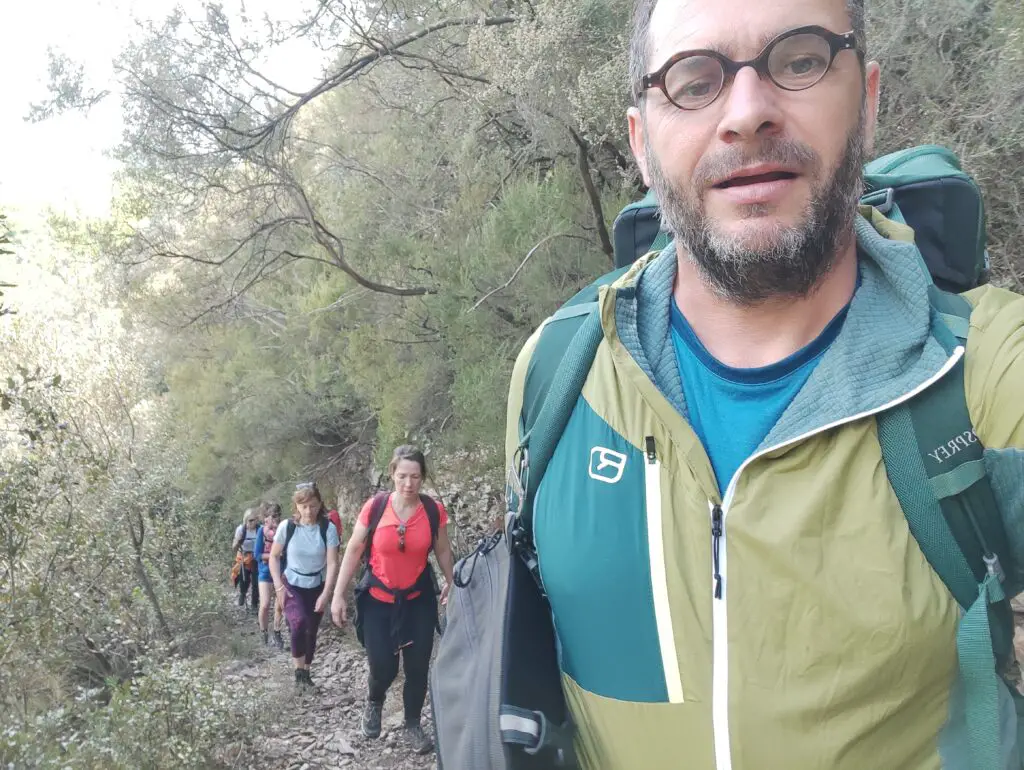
(401, 538)
(794, 61)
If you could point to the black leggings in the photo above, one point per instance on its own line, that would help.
(247, 580)
(383, 659)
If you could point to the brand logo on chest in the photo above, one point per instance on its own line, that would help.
(607, 465)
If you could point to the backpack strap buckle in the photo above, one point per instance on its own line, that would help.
(516, 484)
(535, 733)
(879, 199)
(518, 531)
(994, 567)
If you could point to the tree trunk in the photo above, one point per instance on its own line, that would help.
(142, 574)
(595, 198)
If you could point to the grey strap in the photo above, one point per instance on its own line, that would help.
(957, 480)
(571, 311)
(535, 733)
(519, 726)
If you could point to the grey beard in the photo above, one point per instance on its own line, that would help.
(791, 261)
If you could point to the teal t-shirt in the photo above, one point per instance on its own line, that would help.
(732, 410)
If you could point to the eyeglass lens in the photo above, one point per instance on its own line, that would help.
(793, 63)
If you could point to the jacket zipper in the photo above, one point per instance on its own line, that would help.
(719, 617)
(716, 548)
(720, 642)
(659, 575)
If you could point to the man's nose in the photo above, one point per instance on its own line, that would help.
(751, 108)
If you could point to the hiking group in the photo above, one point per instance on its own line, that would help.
(298, 569)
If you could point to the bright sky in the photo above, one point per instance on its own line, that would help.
(61, 163)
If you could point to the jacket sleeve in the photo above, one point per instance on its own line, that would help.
(995, 367)
(994, 379)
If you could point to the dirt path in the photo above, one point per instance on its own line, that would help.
(319, 730)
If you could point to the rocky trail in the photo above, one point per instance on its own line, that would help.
(319, 730)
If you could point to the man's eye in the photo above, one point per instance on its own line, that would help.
(696, 89)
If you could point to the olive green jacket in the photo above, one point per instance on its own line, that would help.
(832, 643)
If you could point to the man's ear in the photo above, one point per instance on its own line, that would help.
(872, 89)
(638, 141)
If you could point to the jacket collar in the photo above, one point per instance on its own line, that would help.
(885, 349)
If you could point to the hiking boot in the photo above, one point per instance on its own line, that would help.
(303, 682)
(278, 640)
(241, 600)
(417, 740)
(371, 719)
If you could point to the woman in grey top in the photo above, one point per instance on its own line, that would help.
(308, 544)
(245, 562)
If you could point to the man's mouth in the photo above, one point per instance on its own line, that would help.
(757, 178)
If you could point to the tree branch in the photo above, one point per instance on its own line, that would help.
(583, 159)
(378, 50)
(333, 246)
(519, 269)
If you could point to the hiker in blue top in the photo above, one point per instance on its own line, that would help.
(307, 543)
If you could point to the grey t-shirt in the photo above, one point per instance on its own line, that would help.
(249, 538)
(306, 557)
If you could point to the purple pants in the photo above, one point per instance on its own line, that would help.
(303, 622)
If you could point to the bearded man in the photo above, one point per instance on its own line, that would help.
(732, 577)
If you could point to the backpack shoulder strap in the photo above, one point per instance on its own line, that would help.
(533, 716)
(935, 466)
(555, 376)
(377, 508)
(433, 516)
(324, 524)
(289, 530)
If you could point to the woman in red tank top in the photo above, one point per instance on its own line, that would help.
(396, 604)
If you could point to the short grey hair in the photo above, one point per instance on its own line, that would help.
(640, 39)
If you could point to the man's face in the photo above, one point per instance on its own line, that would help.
(760, 186)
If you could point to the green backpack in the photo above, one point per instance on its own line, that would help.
(944, 491)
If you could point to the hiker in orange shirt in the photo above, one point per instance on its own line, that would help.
(396, 598)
